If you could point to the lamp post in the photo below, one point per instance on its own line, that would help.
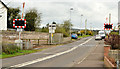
(70, 20)
(81, 22)
(85, 26)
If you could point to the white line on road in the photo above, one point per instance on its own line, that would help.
(85, 42)
(48, 57)
(87, 55)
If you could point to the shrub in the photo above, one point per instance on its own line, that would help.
(113, 40)
(65, 34)
(10, 49)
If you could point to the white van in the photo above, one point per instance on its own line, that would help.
(102, 34)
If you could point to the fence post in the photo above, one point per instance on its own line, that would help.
(38, 41)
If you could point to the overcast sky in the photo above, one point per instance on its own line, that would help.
(95, 11)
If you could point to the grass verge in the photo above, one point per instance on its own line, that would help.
(22, 52)
(84, 36)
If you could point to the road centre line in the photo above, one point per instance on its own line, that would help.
(48, 57)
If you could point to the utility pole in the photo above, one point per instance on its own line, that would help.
(85, 26)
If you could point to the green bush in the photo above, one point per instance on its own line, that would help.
(114, 33)
(10, 49)
(65, 34)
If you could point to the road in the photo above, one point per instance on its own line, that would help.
(69, 55)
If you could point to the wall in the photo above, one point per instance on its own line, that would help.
(11, 36)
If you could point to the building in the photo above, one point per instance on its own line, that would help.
(3, 16)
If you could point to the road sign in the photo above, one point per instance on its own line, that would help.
(52, 28)
(19, 23)
(108, 26)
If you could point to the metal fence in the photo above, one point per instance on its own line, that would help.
(115, 54)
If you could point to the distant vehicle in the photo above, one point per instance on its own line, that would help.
(74, 36)
(102, 34)
(98, 37)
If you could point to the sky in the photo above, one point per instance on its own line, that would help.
(95, 11)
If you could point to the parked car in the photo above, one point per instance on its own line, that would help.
(74, 36)
(102, 34)
(98, 37)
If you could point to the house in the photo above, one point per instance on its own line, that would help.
(3, 16)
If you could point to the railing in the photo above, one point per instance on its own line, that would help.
(115, 54)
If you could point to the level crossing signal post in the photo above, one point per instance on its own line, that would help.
(52, 28)
(20, 24)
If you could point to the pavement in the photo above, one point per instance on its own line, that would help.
(82, 53)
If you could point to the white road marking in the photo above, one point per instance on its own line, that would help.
(85, 42)
(48, 57)
(87, 55)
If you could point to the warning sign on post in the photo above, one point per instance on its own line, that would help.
(19, 23)
(108, 26)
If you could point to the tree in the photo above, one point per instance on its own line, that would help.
(67, 26)
(45, 29)
(33, 19)
(60, 29)
(13, 13)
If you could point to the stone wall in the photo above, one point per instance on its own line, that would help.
(44, 38)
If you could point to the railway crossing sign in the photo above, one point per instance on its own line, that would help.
(19, 23)
(108, 26)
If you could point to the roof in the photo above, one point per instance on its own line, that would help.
(3, 4)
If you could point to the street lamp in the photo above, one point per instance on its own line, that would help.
(81, 22)
(70, 20)
(85, 26)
